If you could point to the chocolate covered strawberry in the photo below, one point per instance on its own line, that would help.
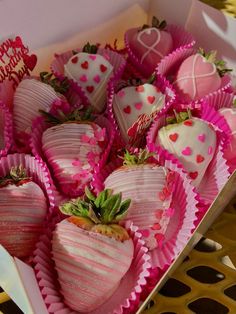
(192, 140)
(230, 116)
(150, 188)
(200, 75)
(23, 208)
(73, 147)
(33, 95)
(91, 251)
(150, 44)
(91, 71)
(134, 108)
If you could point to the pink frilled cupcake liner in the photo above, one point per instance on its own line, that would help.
(126, 298)
(181, 38)
(184, 203)
(164, 87)
(217, 172)
(35, 169)
(220, 100)
(57, 67)
(6, 129)
(170, 64)
(39, 126)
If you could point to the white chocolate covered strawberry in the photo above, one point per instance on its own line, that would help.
(150, 188)
(91, 251)
(92, 72)
(150, 43)
(199, 75)
(23, 208)
(72, 148)
(192, 140)
(30, 96)
(230, 116)
(136, 105)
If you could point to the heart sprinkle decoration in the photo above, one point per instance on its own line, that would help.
(90, 89)
(127, 110)
(187, 151)
(151, 99)
(84, 65)
(173, 137)
(193, 175)
(199, 158)
(83, 78)
(210, 150)
(188, 122)
(93, 57)
(103, 68)
(201, 137)
(74, 60)
(97, 79)
(121, 93)
(139, 89)
(138, 105)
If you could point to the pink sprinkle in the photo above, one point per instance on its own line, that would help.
(156, 226)
(77, 163)
(92, 57)
(158, 213)
(97, 79)
(202, 137)
(93, 141)
(145, 233)
(83, 78)
(170, 212)
(121, 93)
(210, 150)
(187, 151)
(84, 138)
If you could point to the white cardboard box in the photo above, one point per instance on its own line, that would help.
(59, 25)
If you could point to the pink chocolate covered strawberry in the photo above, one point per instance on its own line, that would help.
(135, 107)
(192, 141)
(200, 75)
(92, 252)
(150, 188)
(23, 208)
(92, 72)
(33, 95)
(73, 147)
(150, 43)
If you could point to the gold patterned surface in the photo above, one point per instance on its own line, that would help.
(206, 281)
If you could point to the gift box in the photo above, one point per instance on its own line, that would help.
(68, 26)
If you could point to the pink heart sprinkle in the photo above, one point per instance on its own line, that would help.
(121, 93)
(170, 212)
(83, 78)
(84, 138)
(138, 105)
(202, 137)
(145, 233)
(97, 79)
(187, 151)
(210, 150)
(158, 213)
(93, 57)
(93, 141)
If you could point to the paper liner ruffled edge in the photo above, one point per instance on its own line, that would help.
(164, 87)
(39, 126)
(7, 129)
(220, 100)
(174, 59)
(221, 172)
(49, 286)
(36, 169)
(184, 40)
(57, 68)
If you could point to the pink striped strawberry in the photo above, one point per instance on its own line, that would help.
(134, 108)
(23, 208)
(73, 147)
(92, 72)
(150, 188)
(200, 75)
(150, 43)
(91, 251)
(30, 96)
(192, 140)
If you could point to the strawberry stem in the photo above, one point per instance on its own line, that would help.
(17, 176)
(59, 86)
(155, 23)
(179, 117)
(139, 158)
(92, 49)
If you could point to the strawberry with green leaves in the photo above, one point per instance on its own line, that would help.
(72, 145)
(91, 250)
(23, 208)
(199, 75)
(150, 187)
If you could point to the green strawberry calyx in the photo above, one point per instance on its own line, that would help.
(61, 87)
(161, 25)
(91, 49)
(17, 176)
(139, 157)
(78, 115)
(100, 214)
(220, 64)
(178, 118)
